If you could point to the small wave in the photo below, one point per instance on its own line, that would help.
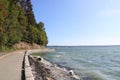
(90, 61)
(62, 52)
(97, 75)
(58, 56)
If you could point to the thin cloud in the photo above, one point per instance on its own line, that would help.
(109, 13)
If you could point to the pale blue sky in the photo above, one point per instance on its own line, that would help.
(80, 22)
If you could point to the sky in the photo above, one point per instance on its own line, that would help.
(79, 22)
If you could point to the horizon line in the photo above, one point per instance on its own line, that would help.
(85, 45)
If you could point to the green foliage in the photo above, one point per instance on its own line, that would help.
(41, 26)
(14, 36)
(3, 14)
(23, 24)
(13, 30)
(3, 39)
(43, 40)
(17, 24)
(3, 19)
(32, 35)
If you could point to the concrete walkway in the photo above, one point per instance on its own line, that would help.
(11, 65)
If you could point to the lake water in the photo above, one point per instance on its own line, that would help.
(90, 62)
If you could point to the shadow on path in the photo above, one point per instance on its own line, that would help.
(23, 68)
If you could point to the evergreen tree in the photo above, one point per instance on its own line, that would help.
(3, 20)
(43, 40)
(30, 20)
(32, 34)
(13, 28)
(29, 13)
(17, 23)
(22, 19)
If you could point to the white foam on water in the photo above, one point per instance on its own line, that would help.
(58, 56)
(97, 75)
(62, 52)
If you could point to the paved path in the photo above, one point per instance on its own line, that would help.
(10, 66)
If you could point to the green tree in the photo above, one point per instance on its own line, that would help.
(42, 38)
(22, 19)
(41, 26)
(3, 20)
(13, 28)
(32, 34)
(29, 13)
(17, 23)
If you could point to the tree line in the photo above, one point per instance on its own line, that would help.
(18, 24)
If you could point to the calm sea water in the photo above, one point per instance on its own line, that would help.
(94, 62)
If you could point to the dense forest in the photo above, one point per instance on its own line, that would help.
(18, 24)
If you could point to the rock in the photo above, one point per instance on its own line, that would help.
(24, 45)
(50, 71)
(48, 78)
(39, 58)
(73, 75)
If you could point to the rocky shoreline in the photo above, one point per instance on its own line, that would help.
(45, 70)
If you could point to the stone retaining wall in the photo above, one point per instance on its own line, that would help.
(28, 70)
